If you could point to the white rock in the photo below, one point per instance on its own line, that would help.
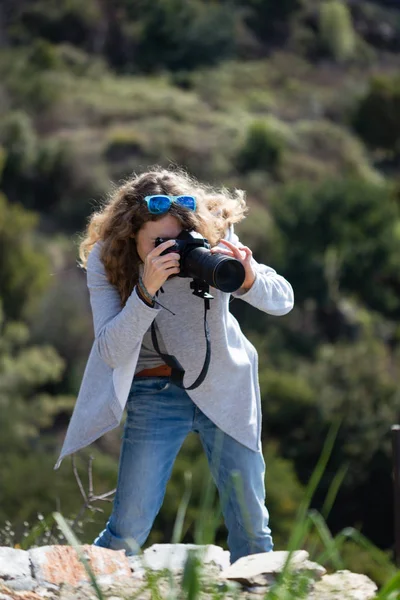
(15, 569)
(173, 556)
(344, 585)
(251, 566)
(22, 584)
(136, 564)
(14, 563)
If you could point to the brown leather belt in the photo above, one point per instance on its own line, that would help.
(161, 371)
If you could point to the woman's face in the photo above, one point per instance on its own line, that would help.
(166, 227)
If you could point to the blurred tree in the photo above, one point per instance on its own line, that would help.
(340, 237)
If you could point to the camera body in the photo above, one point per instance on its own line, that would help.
(197, 261)
(185, 243)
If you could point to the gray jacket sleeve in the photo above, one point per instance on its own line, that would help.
(270, 292)
(118, 331)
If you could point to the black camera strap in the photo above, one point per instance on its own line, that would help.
(178, 372)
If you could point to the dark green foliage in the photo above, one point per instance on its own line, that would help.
(261, 150)
(269, 19)
(43, 56)
(183, 34)
(43, 174)
(354, 381)
(178, 34)
(377, 117)
(379, 23)
(55, 20)
(24, 271)
(341, 237)
(18, 138)
(32, 84)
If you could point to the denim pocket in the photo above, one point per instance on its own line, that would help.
(148, 386)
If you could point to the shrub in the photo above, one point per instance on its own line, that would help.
(24, 271)
(262, 149)
(335, 148)
(184, 34)
(123, 144)
(336, 30)
(32, 83)
(42, 56)
(377, 117)
(55, 20)
(18, 139)
(269, 19)
(350, 222)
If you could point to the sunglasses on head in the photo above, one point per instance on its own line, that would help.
(159, 203)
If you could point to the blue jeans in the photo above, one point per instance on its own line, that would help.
(159, 417)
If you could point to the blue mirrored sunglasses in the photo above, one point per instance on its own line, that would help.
(160, 204)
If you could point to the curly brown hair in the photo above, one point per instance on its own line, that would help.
(124, 212)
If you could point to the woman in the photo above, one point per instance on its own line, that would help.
(126, 270)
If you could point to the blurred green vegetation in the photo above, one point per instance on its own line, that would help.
(295, 102)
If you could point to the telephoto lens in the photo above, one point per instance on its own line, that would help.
(197, 261)
(222, 272)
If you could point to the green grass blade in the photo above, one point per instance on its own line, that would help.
(333, 490)
(152, 584)
(391, 590)
(330, 499)
(180, 517)
(298, 533)
(363, 542)
(303, 524)
(327, 539)
(191, 578)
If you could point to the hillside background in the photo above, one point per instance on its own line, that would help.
(298, 103)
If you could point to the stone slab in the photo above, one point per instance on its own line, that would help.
(249, 567)
(14, 563)
(61, 564)
(15, 569)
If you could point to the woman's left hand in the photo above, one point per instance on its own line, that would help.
(243, 254)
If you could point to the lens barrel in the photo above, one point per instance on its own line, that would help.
(222, 272)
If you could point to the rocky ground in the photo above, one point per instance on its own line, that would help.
(164, 570)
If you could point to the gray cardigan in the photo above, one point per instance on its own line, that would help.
(229, 395)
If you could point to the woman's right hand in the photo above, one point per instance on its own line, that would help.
(158, 268)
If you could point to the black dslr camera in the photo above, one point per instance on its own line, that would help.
(217, 270)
